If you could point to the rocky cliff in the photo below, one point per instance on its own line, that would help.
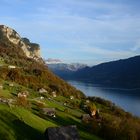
(8, 35)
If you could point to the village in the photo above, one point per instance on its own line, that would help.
(25, 95)
(48, 105)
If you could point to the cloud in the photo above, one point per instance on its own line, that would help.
(83, 28)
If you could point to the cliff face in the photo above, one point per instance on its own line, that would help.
(34, 48)
(31, 50)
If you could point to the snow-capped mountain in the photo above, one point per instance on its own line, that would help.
(64, 70)
(53, 61)
(54, 66)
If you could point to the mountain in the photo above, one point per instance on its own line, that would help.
(21, 62)
(121, 73)
(65, 70)
(28, 107)
(52, 61)
(10, 36)
(66, 67)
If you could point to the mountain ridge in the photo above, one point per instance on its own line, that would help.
(64, 69)
(29, 68)
(119, 73)
(22, 80)
(9, 35)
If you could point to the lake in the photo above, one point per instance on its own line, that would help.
(128, 99)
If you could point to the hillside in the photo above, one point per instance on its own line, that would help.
(22, 118)
(29, 71)
(33, 99)
(122, 73)
(21, 69)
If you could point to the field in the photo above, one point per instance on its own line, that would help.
(20, 123)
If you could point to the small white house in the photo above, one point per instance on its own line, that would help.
(11, 84)
(54, 94)
(11, 67)
(93, 112)
(42, 90)
(87, 101)
(71, 97)
(41, 98)
(23, 94)
(1, 86)
(49, 112)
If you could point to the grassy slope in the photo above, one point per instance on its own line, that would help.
(18, 123)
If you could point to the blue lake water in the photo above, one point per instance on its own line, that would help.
(127, 99)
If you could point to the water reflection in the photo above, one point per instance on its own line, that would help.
(125, 98)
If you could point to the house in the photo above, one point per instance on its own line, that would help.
(11, 67)
(71, 97)
(62, 133)
(1, 86)
(87, 101)
(93, 112)
(22, 94)
(49, 112)
(41, 98)
(11, 85)
(54, 94)
(42, 90)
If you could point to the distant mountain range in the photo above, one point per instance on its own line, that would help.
(30, 91)
(121, 73)
(53, 61)
(65, 70)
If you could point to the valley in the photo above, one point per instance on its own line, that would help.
(33, 99)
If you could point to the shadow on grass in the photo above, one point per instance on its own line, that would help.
(64, 121)
(14, 94)
(26, 131)
(21, 130)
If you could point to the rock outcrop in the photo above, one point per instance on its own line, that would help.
(62, 133)
(31, 50)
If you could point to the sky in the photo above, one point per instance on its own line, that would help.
(85, 31)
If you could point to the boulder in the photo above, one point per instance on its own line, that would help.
(62, 133)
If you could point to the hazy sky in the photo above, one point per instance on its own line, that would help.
(88, 31)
